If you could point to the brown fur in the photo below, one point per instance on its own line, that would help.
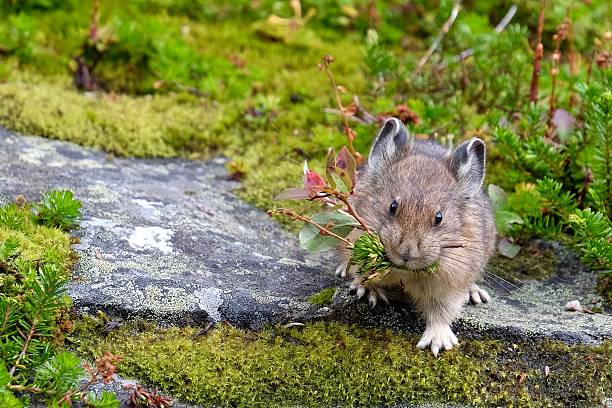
(424, 178)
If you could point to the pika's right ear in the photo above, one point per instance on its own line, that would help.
(393, 138)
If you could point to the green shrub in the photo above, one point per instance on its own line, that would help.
(566, 191)
(59, 209)
(34, 262)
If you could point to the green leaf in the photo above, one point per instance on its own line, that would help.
(339, 181)
(503, 219)
(499, 198)
(58, 208)
(508, 249)
(340, 223)
(330, 165)
(8, 400)
(61, 373)
(5, 378)
(292, 194)
(9, 248)
(106, 400)
(369, 254)
(347, 167)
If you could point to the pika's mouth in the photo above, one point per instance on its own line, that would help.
(429, 269)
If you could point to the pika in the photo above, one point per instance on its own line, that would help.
(427, 205)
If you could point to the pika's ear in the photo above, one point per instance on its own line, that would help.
(393, 138)
(468, 164)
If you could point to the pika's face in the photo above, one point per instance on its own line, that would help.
(412, 206)
(413, 194)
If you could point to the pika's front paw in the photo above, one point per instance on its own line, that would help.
(478, 295)
(374, 293)
(438, 338)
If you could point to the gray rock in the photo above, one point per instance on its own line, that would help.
(167, 240)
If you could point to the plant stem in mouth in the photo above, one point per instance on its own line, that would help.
(431, 268)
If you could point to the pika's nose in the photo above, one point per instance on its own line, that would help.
(406, 258)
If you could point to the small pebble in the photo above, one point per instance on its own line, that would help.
(546, 371)
(573, 306)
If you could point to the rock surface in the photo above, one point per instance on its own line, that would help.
(168, 240)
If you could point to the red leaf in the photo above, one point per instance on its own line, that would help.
(313, 182)
(407, 115)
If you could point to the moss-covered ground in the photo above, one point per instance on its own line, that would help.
(324, 297)
(36, 245)
(530, 263)
(331, 364)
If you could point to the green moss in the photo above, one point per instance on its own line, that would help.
(530, 263)
(323, 297)
(326, 364)
(122, 125)
(38, 244)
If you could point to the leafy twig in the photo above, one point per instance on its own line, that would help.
(558, 38)
(445, 28)
(142, 397)
(32, 390)
(105, 369)
(352, 211)
(95, 17)
(538, 54)
(350, 133)
(295, 216)
(358, 113)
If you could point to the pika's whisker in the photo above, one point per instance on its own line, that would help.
(497, 283)
(499, 271)
(499, 277)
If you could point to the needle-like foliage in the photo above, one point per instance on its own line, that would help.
(58, 208)
(33, 303)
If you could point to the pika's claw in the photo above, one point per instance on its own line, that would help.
(438, 338)
(341, 269)
(374, 293)
(478, 295)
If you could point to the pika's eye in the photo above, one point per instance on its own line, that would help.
(393, 207)
(438, 218)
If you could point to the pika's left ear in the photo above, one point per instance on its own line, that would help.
(468, 164)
